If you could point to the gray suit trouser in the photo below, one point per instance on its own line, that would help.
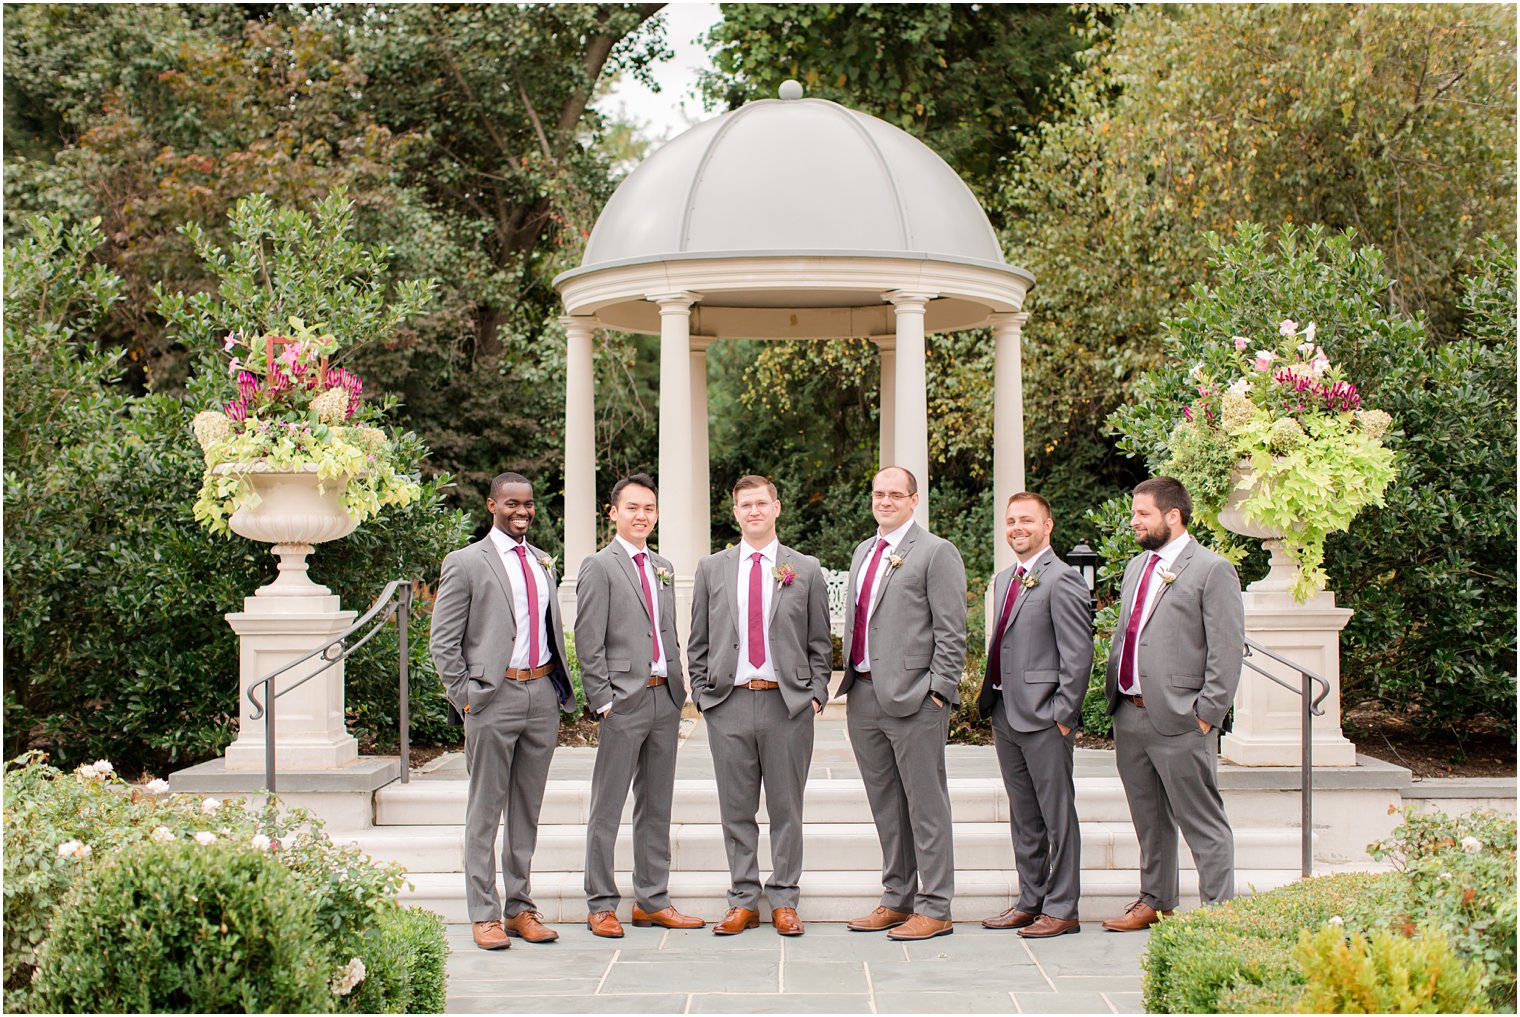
(1042, 806)
(636, 746)
(507, 748)
(754, 742)
(1171, 781)
(902, 763)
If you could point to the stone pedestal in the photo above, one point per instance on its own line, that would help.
(1268, 716)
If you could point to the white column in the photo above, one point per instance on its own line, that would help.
(1007, 426)
(887, 344)
(677, 448)
(580, 457)
(701, 503)
(910, 431)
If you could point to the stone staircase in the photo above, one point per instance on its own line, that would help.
(420, 825)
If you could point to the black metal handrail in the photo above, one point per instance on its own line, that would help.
(396, 602)
(1310, 706)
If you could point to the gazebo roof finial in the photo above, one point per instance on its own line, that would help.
(790, 89)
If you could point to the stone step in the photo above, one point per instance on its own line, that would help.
(699, 847)
(972, 800)
(826, 896)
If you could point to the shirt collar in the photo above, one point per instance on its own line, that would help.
(1028, 566)
(504, 541)
(1171, 551)
(895, 537)
(768, 552)
(633, 550)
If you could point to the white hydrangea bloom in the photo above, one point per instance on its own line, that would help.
(204, 837)
(348, 977)
(161, 835)
(157, 786)
(210, 805)
(260, 842)
(72, 849)
(1472, 845)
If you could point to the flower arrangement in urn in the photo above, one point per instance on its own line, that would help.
(295, 412)
(1274, 435)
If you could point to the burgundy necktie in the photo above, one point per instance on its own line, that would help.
(531, 583)
(863, 606)
(756, 614)
(1127, 683)
(995, 651)
(654, 619)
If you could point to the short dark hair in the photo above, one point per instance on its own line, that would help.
(750, 480)
(1168, 493)
(1038, 499)
(635, 480)
(503, 479)
(912, 480)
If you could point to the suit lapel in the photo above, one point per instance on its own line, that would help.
(1024, 591)
(728, 583)
(901, 550)
(631, 572)
(1181, 563)
(783, 557)
(1127, 590)
(493, 562)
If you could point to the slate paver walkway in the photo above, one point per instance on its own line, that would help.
(829, 970)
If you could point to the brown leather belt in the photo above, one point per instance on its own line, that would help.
(656, 680)
(863, 676)
(1137, 700)
(528, 674)
(760, 685)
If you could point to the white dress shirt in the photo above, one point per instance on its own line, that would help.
(513, 563)
(1028, 567)
(893, 539)
(1169, 555)
(658, 667)
(746, 671)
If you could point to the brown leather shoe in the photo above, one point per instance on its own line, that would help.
(489, 936)
(1013, 918)
(921, 927)
(530, 926)
(1137, 916)
(786, 922)
(736, 921)
(1046, 927)
(665, 918)
(880, 920)
(605, 924)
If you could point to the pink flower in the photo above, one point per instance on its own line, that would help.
(1288, 328)
(231, 342)
(1309, 332)
(234, 367)
(1264, 359)
(1241, 342)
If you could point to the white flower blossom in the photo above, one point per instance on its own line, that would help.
(1337, 920)
(85, 771)
(348, 977)
(259, 842)
(1287, 327)
(1196, 372)
(157, 786)
(1241, 386)
(204, 837)
(73, 849)
(210, 806)
(1472, 845)
(161, 835)
(103, 767)
(1309, 331)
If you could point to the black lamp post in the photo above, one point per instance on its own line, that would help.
(1085, 560)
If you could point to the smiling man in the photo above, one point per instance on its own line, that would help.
(1039, 660)
(759, 660)
(905, 645)
(496, 636)
(625, 639)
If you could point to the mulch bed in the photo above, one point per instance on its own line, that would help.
(1389, 736)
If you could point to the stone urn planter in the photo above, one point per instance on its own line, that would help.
(296, 510)
(1280, 574)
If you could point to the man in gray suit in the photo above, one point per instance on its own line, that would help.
(1038, 662)
(625, 639)
(1172, 674)
(905, 645)
(496, 635)
(760, 659)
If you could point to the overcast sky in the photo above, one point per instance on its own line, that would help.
(676, 107)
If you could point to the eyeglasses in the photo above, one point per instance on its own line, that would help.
(890, 496)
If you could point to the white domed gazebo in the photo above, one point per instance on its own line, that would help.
(784, 219)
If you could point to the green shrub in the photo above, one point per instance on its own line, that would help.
(1237, 956)
(1461, 872)
(404, 955)
(186, 928)
(1386, 973)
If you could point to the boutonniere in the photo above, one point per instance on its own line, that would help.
(894, 561)
(1167, 578)
(785, 576)
(547, 561)
(663, 575)
(1030, 581)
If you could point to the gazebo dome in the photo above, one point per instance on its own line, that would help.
(792, 176)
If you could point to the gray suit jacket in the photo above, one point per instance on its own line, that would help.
(801, 648)
(474, 626)
(918, 630)
(1046, 655)
(613, 635)
(1189, 651)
